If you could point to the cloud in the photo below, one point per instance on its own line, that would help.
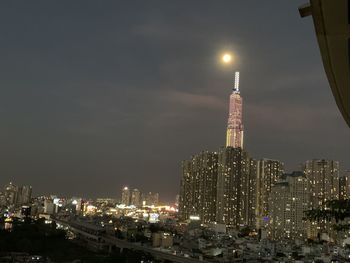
(290, 118)
(191, 100)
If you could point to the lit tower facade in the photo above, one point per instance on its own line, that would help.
(234, 137)
(126, 196)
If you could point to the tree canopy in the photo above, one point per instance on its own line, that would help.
(337, 210)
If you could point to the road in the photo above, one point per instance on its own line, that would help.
(120, 243)
(154, 252)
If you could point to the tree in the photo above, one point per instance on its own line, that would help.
(337, 210)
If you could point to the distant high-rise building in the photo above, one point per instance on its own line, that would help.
(288, 200)
(14, 195)
(234, 136)
(150, 199)
(344, 186)
(11, 194)
(177, 198)
(198, 187)
(49, 206)
(3, 200)
(126, 196)
(136, 198)
(268, 172)
(24, 195)
(323, 184)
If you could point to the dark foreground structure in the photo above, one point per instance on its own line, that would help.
(332, 25)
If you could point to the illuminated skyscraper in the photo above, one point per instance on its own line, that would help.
(236, 183)
(11, 193)
(135, 198)
(344, 186)
(323, 179)
(288, 200)
(126, 196)
(24, 195)
(234, 136)
(249, 193)
(268, 173)
(323, 184)
(221, 187)
(150, 199)
(198, 187)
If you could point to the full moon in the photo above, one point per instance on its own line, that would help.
(226, 58)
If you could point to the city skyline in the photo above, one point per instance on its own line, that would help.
(82, 104)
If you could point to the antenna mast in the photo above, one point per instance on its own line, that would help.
(236, 81)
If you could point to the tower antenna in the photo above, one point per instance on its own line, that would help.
(236, 81)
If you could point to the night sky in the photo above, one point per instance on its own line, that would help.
(96, 95)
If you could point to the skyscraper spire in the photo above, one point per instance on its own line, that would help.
(236, 88)
(234, 136)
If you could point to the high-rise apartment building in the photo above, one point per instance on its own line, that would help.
(24, 195)
(250, 194)
(135, 198)
(150, 199)
(14, 195)
(11, 194)
(344, 186)
(2, 199)
(234, 135)
(198, 187)
(268, 173)
(126, 196)
(288, 200)
(323, 184)
(323, 180)
(219, 187)
(233, 187)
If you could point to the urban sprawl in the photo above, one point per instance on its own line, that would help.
(231, 207)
